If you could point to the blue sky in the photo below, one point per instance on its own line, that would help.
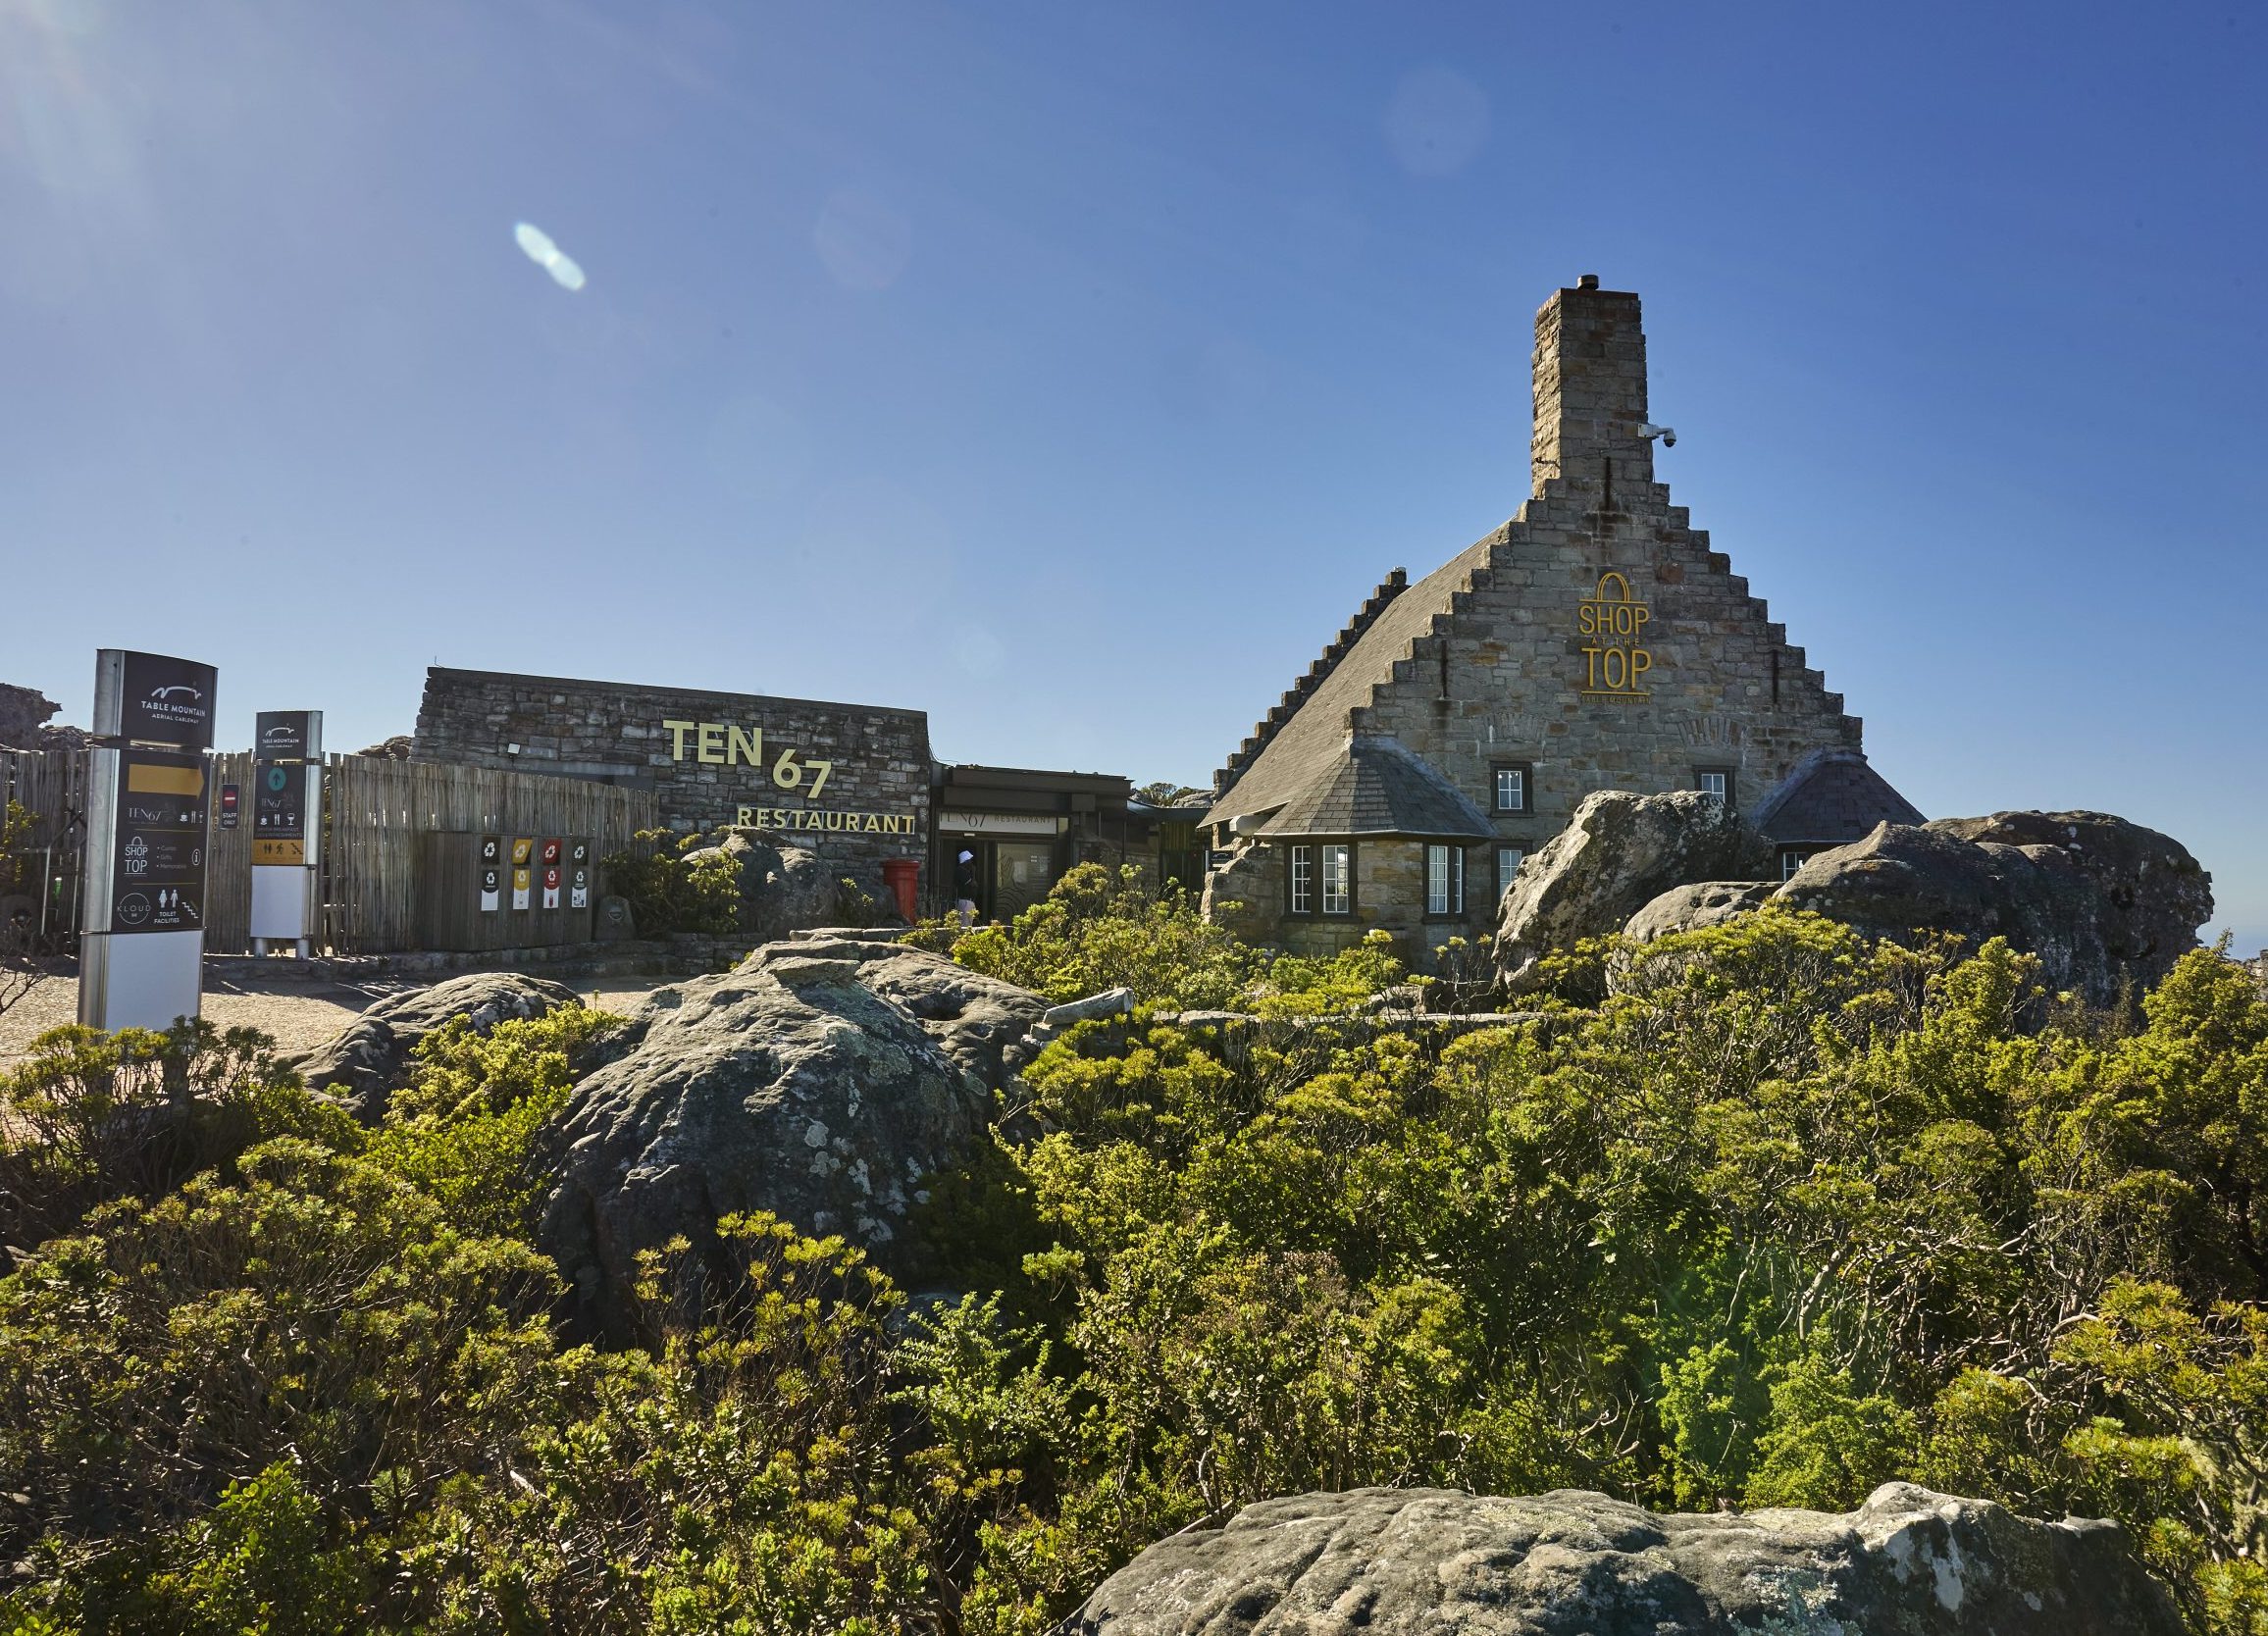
(1072, 372)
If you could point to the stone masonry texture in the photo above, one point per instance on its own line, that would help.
(880, 758)
(1483, 664)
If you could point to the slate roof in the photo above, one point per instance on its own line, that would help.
(1832, 794)
(1379, 788)
(1308, 760)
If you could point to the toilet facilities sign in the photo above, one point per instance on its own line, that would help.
(158, 844)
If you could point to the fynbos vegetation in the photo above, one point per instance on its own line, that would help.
(1781, 1216)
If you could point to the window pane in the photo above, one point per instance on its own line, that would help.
(1506, 866)
(1511, 790)
(1714, 783)
(1456, 880)
(1335, 879)
(1303, 880)
(1436, 880)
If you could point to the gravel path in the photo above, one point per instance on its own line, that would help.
(297, 1016)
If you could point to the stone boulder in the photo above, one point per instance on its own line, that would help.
(1689, 909)
(23, 713)
(1399, 1561)
(821, 1081)
(1618, 854)
(978, 1021)
(2099, 901)
(369, 1059)
(786, 889)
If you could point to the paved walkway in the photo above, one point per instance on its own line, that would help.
(297, 1015)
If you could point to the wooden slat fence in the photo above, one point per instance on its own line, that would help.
(52, 786)
(375, 809)
(378, 808)
(229, 863)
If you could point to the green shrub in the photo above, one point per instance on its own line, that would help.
(466, 1129)
(1095, 931)
(88, 1116)
(1293, 987)
(668, 892)
(1785, 1215)
(316, 1314)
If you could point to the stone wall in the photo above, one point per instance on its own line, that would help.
(1501, 678)
(1389, 895)
(1597, 638)
(1253, 881)
(721, 763)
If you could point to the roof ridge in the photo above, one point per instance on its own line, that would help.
(1393, 586)
(1498, 538)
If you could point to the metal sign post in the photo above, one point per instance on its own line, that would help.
(141, 918)
(286, 827)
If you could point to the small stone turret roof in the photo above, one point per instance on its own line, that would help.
(1377, 788)
(1832, 795)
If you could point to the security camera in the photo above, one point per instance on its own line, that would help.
(1667, 434)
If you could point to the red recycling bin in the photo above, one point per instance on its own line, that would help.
(901, 876)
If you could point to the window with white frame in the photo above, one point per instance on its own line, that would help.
(1318, 878)
(1511, 781)
(1508, 860)
(1444, 879)
(1715, 782)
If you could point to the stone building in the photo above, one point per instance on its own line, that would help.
(855, 784)
(848, 781)
(1594, 642)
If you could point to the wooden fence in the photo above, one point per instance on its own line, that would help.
(52, 787)
(374, 810)
(378, 808)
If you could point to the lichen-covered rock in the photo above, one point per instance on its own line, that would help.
(785, 889)
(2101, 901)
(1400, 1561)
(821, 1081)
(369, 1059)
(1689, 909)
(979, 1021)
(1618, 854)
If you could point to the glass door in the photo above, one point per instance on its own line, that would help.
(1022, 872)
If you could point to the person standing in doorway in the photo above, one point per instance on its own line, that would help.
(964, 889)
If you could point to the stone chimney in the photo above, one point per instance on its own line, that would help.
(1590, 390)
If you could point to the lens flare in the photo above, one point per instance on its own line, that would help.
(549, 256)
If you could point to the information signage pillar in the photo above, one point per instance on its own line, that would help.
(142, 918)
(286, 828)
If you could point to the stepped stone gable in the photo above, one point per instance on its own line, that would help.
(879, 760)
(1594, 642)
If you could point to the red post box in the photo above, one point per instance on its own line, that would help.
(901, 876)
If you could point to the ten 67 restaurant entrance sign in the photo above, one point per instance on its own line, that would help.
(142, 933)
